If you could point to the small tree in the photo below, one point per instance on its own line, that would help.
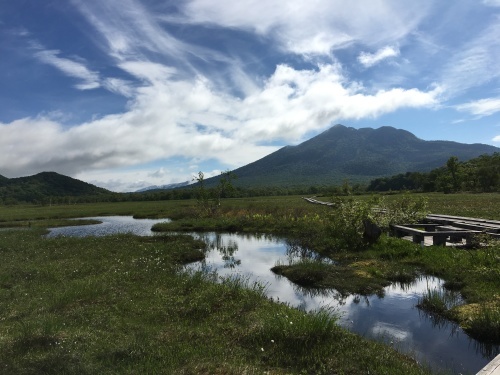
(225, 186)
(202, 195)
(453, 167)
(209, 200)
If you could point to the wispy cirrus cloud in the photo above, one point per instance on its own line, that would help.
(76, 68)
(370, 59)
(127, 27)
(88, 79)
(131, 32)
(476, 63)
(481, 108)
(318, 27)
(119, 86)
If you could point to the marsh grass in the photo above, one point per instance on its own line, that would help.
(481, 321)
(346, 280)
(486, 323)
(122, 305)
(438, 301)
(305, 272)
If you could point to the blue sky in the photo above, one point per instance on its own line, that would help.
(130, 93)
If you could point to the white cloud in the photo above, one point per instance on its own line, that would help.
(314, 27)
(89, 79)
(124, 180)
(119, 86)
(496, 139)
(148, 71)
(175, 109)
(131, 31)
(160, 173)
(370, 59)
(481, 108)
(165, 116)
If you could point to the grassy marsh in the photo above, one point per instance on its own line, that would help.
(122, 305)
(119, 304)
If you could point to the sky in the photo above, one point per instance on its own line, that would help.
(126, 94)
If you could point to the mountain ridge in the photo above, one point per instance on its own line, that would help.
(358, 155)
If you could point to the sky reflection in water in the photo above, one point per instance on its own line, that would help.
(391, 317)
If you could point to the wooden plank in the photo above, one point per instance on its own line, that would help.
(492, 368)
(462, 218)
(477, 226)
(414, 231)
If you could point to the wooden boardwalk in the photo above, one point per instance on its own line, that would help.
(441, 230)
(492, 368)
(446, 230)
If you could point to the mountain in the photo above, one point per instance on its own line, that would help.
(163, 187)
(358, 155)
(44, 186)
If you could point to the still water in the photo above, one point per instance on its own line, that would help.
(109, 225)
(390, 316)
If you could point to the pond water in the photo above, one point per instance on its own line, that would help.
(390, 316)
(109, 225)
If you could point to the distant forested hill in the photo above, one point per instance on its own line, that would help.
(45, 187)
(481, 174)
(358, 155)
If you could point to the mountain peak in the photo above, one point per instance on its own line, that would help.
(358, 155)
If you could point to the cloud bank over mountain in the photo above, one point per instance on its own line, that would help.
(116, 91)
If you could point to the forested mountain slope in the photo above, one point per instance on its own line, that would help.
(45, 186)
(358, 155)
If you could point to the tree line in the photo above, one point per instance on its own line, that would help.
(481, 174)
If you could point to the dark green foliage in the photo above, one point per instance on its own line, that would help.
(47, 188)
(481, 174)
(3, 180)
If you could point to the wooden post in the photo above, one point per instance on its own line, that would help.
(418, 238)
(439, 240)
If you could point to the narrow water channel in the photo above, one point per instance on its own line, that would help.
(390, 316)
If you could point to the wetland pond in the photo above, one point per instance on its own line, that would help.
(391, 317)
